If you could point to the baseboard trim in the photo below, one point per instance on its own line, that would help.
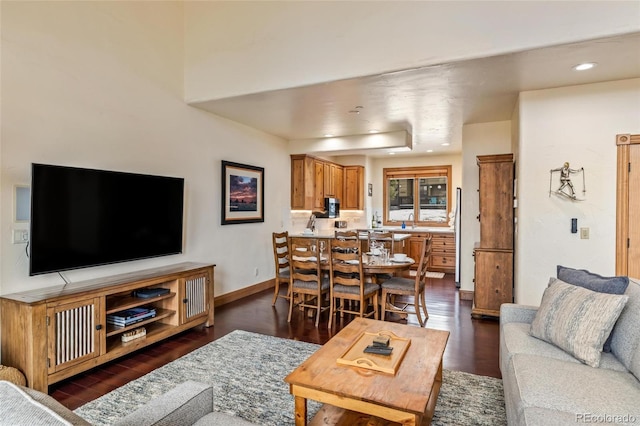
(466, 294)
(243, 292)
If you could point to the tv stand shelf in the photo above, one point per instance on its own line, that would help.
(128, 302)
(113, 330)
(54, 333)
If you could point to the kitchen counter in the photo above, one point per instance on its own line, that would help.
(420, 229)
(328, 235)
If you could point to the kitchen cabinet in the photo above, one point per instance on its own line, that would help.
(353, 188)
(415, 247)
(313, 179)
(493, 277)
(443, 252)
(333, 180)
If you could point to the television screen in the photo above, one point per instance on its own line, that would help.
(84, 217)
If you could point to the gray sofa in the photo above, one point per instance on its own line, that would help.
(189, 403)
(544, 385)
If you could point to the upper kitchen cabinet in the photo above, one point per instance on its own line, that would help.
(313, 179)
(353, 188)
(333, 180)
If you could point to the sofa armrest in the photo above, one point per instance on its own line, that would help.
(513, 312)
(184, 405)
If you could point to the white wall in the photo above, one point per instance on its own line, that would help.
(274, 45)
(477, 139)
(577, 124)
(100, 85)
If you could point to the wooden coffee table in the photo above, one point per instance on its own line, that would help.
(354, 395)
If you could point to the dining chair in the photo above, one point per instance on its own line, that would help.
(346, 235)
(281, 257)
(348, 282)
(306, 280)
(399, 286)
(384, 239)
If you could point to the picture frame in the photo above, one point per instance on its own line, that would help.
(242, 193)
(370, 190)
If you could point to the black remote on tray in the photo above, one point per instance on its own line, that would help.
(378, 350)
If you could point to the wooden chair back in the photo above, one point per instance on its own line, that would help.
(280, 241)
(304, 260)
(423, 263)
(281, 251)
(347, 235)
(345, 264)
(347, 280)
(384, 238)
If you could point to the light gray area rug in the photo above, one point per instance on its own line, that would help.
(247, 372)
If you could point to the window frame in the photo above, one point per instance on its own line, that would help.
(415, 173)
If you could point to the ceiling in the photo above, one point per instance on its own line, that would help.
(431, 103)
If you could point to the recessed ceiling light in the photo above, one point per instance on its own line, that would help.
(392, 153)
(374, 131)
(429, 150)
(328, 135)
(446, 144)
(584, 66)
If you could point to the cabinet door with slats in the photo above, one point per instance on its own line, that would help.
(73, 331)
(195, 289)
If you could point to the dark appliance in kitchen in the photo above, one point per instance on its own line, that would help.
(331, 209)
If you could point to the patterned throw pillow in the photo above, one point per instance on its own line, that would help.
(595, 282)
(577, 320)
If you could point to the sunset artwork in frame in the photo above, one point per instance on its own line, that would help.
(242, 193)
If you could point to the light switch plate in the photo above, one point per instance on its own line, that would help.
(584, 233)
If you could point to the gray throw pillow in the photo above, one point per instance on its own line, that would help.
(594, 282)
(577, 320)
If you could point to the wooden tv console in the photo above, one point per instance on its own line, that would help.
(53, 333)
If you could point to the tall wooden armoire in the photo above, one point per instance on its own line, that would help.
(494, 254)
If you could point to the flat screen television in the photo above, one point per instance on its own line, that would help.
(85, 217)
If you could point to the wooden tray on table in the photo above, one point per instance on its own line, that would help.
(356, 357)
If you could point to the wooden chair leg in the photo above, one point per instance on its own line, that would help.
(375, 306)
(416, 305)
(383, 303)
(331, 312)
(290, 307)
(424, 304)
(318, 308)
(275, 293)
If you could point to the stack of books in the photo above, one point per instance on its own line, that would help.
(130, 316)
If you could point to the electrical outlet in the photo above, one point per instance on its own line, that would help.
(20, 236)
(584, 233)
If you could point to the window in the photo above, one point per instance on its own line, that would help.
(420, 195)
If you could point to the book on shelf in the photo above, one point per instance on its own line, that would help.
(146, 293)
(130, 316)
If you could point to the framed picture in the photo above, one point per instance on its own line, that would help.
(242, 193)
(370, 190)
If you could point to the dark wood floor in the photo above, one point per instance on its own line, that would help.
(472, 346)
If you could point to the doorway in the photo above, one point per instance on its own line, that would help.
(628, 206)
